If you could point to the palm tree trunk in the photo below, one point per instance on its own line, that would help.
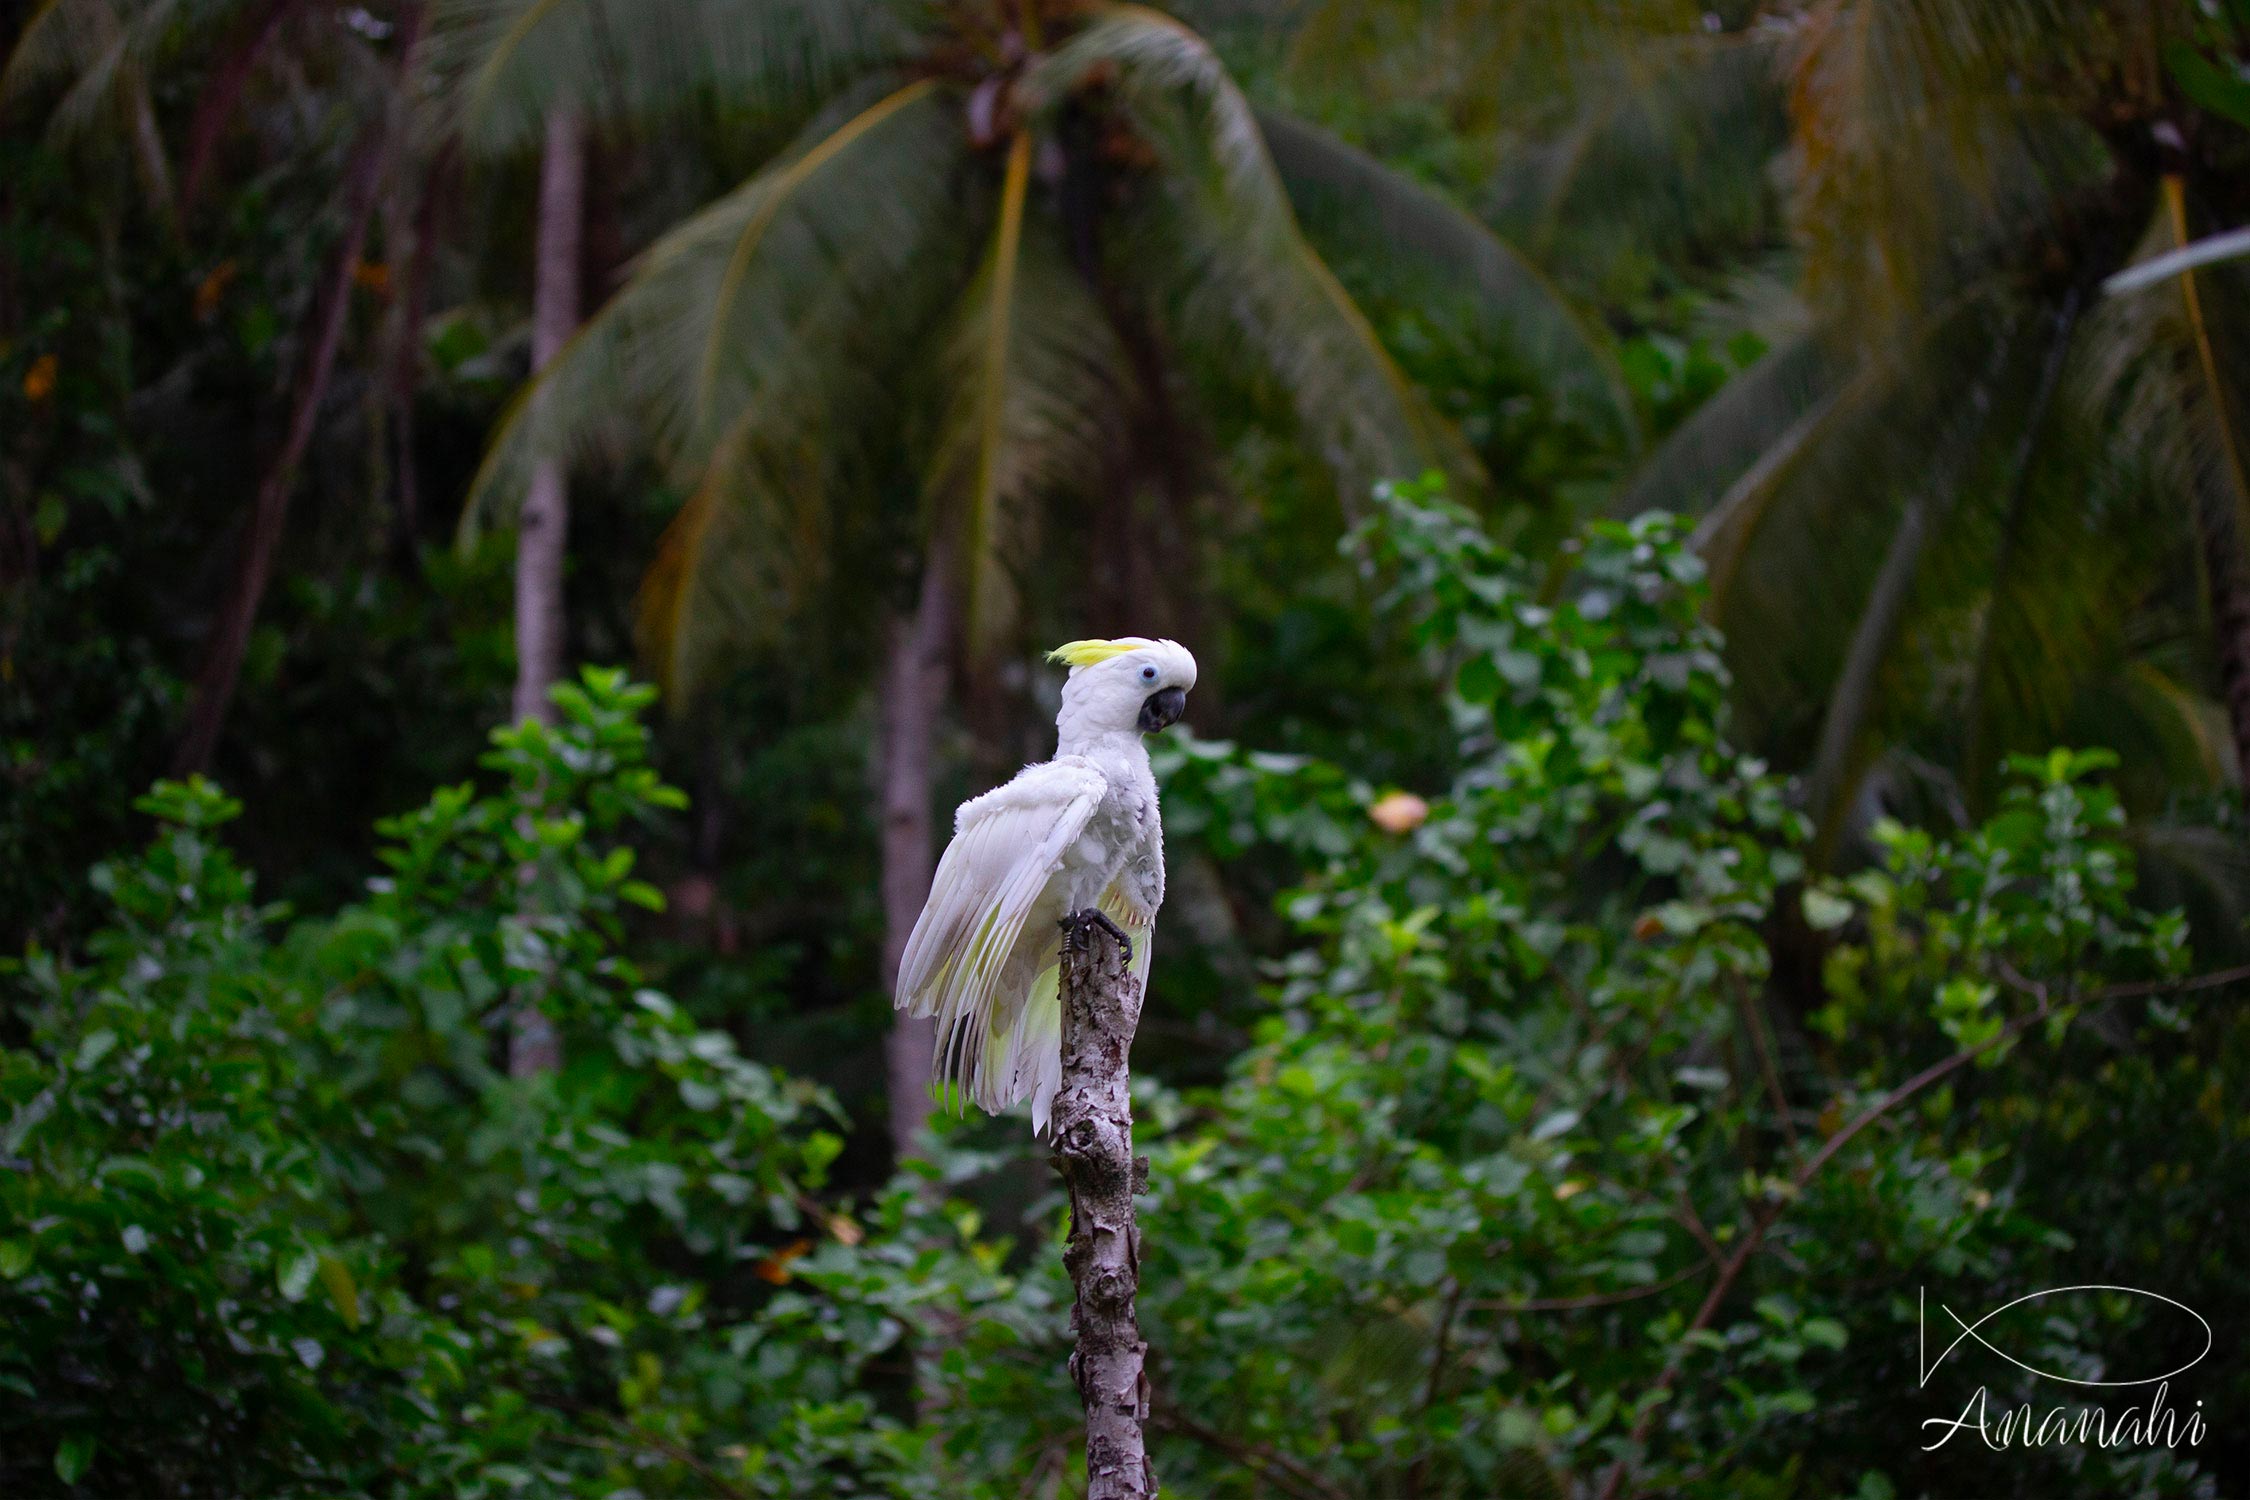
(545, 526)
(2218, 515)
(230, 637)
(913, 693)
(2221, 545)
(541, 535)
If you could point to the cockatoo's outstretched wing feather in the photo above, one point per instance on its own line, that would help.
(1007, 846)
(1036, 1049)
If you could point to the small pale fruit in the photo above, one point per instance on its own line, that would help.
(1399, 812)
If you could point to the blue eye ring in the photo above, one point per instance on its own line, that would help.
(1148, 674)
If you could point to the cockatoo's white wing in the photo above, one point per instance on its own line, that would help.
(1007, 847)
(1034, 1047)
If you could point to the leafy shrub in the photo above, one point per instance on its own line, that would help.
(1533, 1166)
(1535, 1178)
(278, 1220)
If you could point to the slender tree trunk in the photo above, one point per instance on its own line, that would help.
(544, 529)
(406, 365)
(912, 696)
(230, 637)
(2219, 516)
(224, 90)
(1093, 1141)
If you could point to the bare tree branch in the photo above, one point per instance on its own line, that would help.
(1093, 1150)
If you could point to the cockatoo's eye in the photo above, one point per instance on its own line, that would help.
(1148, 674)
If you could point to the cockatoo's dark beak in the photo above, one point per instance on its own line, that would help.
(1163, 709)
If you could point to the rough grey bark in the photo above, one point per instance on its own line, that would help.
(913, 693)
(533, 1046)
(544, 527)
(1093, 1150)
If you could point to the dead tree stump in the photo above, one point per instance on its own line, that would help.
(1092, 1134)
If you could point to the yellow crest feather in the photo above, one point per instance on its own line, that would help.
(1087, 653)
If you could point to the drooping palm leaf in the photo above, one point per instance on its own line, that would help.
(1351, 201)
(102, 51)
(2170, 361)
(1035, 384)
(749, 553)
(1662, 146)
(1839, 751)
(984, 394)
(1240, 281)
(1798, 537)
(510, 61)
(1924, 136)
(764, 299)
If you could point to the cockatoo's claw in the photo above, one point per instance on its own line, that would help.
(1078, 923)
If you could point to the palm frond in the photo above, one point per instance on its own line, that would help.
(1925, 134)
(2201, 867)
(1351, 201)
(1822, 457)
(1243, 285)
(747, 556)
(1744, 421)
(1483, 62)
(103, 54)
(64, 39)
(765, 300)
(509, 61)
(987, 388)
(1036, 384)
(1657, 149)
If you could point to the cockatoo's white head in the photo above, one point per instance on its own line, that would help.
(1125, 685)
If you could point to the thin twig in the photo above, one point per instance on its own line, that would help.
(1753, 1017)
(1277, 1469)
(1438, 1356)
(1592, 1300)
(1684, 1212)
(656, 1445)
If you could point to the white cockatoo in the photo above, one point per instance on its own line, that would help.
(1076, 834)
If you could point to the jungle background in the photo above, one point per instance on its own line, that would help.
(1712, 812)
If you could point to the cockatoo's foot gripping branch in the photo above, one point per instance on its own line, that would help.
(1093, 1150)
(1079, 924)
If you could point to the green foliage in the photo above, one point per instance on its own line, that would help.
(1524, 1093)
(84, 694)
(278, 1220)
(1563, 1028)
(1528, 1167)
